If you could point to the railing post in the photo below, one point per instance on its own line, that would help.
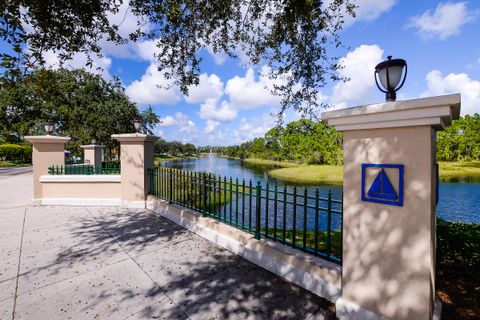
(205, 196)
(329, 225)
(258, 208)
(150, 179)
(170, 187)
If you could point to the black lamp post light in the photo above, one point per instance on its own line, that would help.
(392, 74)
(138, 125)
(48, 127)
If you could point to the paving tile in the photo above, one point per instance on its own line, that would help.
(11, 219)
(139, 232)
(45, 239)
(6, 309)
(164, 310)
(244, 291)
(115, 292)
(39, 269)
(48, 217)
(7, 289)
(171, 266)
(10, 245)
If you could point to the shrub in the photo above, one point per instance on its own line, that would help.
(458, 245)
(15, 152)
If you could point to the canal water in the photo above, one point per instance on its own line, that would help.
(458, 201)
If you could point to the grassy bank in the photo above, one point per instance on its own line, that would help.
(454, 171)
(324, 174)
(264, 162)
(163, 158)
(13, 164)
(315, 174)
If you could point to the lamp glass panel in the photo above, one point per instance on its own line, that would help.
(382, 75)
(137, 124)
(48, 127)
(395, 76)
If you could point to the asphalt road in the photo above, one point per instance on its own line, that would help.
(13, 171)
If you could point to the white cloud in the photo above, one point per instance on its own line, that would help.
(209, 87)
(248, 93)
(180, 121)
(153, 88)
(210, 110)
(100, 65)
(455, 83)
(146, 49)
(444, 22)
(369, 10)
(359, 65)
(127, 23)
(474, 65)
(218, 57)
(168, 121)
(252, 128)
(211, 126)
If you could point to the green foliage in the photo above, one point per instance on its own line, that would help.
(174, 148)
(458, 246)
(460, 141)
(16, 153)
(292, 37)
(80, 104)
(302, 141)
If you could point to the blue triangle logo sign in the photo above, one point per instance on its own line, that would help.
(382, 188)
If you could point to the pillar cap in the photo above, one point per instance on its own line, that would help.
(134, 137)
(437, 112)
(47, 139)
(92, 146)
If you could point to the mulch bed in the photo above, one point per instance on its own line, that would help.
(459, 293)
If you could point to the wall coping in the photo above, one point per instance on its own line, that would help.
(134, 137)
(437, 112)
(92, 146)
(47, 139)
(114, 178)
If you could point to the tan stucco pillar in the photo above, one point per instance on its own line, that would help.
(388, 242)
(136, 156)
(47, 151)
(93, 154)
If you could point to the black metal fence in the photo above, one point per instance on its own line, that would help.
(85, 169)
(298, 217)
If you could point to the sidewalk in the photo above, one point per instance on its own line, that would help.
(115, 263)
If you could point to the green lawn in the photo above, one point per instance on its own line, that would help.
(162, 158)
(315, 174)
(13, 164)
(282, 164)
(453, 171)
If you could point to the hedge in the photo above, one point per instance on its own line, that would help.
(16, 153)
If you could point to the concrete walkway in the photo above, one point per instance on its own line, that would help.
(115, 263)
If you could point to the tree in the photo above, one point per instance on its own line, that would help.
(302, 141)
(290, 36)
(460, 141)
(80, 104)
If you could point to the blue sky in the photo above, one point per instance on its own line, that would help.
(440, 41)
